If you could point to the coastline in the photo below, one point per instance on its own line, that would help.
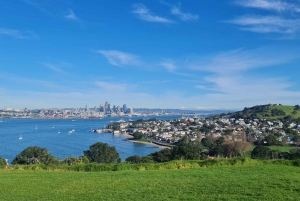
(130, 138)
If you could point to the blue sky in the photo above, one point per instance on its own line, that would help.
(155, 54)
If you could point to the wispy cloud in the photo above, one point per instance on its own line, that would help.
(118, 58)
(276, 5)
(242, 60)
(112, 87)
(284, 23)
(267, 24)
(169, 65)
(71, 15)
(53, 67)
(144, 13)
(231, 79)
(183, 15)
(18, 34)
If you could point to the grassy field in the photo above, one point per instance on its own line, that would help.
(241, 182)
(282, 148)
(287, 109)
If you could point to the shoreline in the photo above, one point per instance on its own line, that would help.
(130, 138)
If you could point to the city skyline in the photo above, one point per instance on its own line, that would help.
(206, 54)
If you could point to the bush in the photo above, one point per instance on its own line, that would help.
(35, 155)
(3, 162)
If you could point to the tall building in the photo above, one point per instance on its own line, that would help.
(106, 107)
(124, 108)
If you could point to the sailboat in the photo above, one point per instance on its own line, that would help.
(20, 138)
(36, 127)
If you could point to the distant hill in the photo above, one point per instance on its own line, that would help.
(183, 111)
(271, 112)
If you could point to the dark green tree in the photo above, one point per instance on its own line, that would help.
(294, 154)
(102, 153)
(261, 152)
(188, 151)
(162, 156)
(272, 140)
(35, 155)
(138, 135)
(206, 142)
(133, 159)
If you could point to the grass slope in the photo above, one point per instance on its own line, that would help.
(265, 112)
(244, 182)
(287, 109)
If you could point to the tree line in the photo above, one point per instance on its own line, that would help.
(102, 153)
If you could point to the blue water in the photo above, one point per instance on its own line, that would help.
(45, 133)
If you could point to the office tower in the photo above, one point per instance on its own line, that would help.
(124, 108)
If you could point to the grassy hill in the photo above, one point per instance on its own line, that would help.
(270, 112)
(252, 180)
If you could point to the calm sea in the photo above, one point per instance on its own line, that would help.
(52, 134)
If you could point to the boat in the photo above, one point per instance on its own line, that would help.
(36, 127)
(121, 120)
(70, 132)
(58, 132)
(20, 138)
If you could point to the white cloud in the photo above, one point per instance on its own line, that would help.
(118, 58)
(182, 15)
(169, 65)
(145, 14)
(267, 24)
(276, 5)
(53, 67)
(112, 87)
(242, 60)
(18, 34)
(71, 15)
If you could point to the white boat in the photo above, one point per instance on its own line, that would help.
(36, 127)
(20, 138)
(70, 132)
(58, 132)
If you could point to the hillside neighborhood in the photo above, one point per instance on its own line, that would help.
(260, 131)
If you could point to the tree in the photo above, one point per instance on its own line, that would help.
(102, 153)
(261, 152)
(133, 159)
(138, 135)
(188, 151)
(272, 140)
(162, 156)
(76, 160)
(2, 162)
(206, 142)
(35, 155)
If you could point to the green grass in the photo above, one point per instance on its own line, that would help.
(287, 109)
(282, 148)
(250, 182)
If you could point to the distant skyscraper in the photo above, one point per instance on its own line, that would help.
(106, 107)
(131, 111)
(124, 108)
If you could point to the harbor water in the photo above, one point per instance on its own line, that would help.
(54, 135)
